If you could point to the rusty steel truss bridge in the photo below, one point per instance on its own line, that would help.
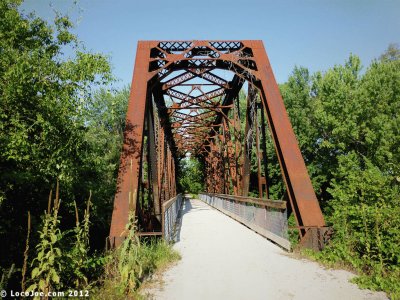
(184, 101)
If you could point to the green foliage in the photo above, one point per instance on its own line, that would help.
(366, 219)
(275, 182)
(78, 255)
(293, 233)
(128, 265)
(5, 276)
(45, 275)
(348, 128)
(105, 122)
(191, 176)
(62, 257)
(392, 53)
(63, 260)
(57, 121)
(159, 254)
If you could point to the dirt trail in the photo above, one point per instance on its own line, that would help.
(222, 259)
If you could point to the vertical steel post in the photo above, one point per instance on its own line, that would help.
(264, 151)
(155, 61)
(238, 149)
(248, 139)
(130, 162)
(258, 155)
(300, 190)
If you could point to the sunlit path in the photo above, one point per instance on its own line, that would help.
(222, 259)
(289, 141)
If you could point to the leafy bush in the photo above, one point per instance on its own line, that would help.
(348, 128)
(129, 265)
(191, 176)
(366, 220)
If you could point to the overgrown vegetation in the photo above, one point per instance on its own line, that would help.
(60, 121)
(62, 260)
(347, 124)
(191, 176)
(131, 263)
(45, 133)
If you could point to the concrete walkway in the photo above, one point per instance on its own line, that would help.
(222, 259)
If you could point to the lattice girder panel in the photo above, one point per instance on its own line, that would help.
(193, 102)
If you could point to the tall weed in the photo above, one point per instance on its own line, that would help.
(45, 275)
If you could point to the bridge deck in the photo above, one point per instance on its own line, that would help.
(222, 259)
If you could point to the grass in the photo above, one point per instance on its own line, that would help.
(365, 280)
(151, 256)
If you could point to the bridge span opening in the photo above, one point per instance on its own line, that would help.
(215, 104)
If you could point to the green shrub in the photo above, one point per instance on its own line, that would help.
(366, 222)
(130, 264)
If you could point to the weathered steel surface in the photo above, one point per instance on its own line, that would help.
(181, 104)
(269, 221)
(170, 214)
(301, 193)
(128, 175)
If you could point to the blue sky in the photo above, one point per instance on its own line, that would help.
(315, 34)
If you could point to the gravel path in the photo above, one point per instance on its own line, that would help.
(222, 259)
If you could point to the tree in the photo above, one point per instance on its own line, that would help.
(43, 120)
(392, 53)
(104, 126)
(348, 129)
(191, 176)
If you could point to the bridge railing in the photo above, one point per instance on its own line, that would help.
(170, 211)
(266, 217)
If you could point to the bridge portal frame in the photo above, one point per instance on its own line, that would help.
(249, 61)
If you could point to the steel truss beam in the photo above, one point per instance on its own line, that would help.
(197, 112)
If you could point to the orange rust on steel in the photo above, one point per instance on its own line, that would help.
(238, 151)
(258, 155)
(224, 161)
(160, 161)
(264, 152)
(203, 107)
(248, 138)
(230, 154)
(301, 193)
(128, 175)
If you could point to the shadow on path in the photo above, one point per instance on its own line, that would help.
(186, 208)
